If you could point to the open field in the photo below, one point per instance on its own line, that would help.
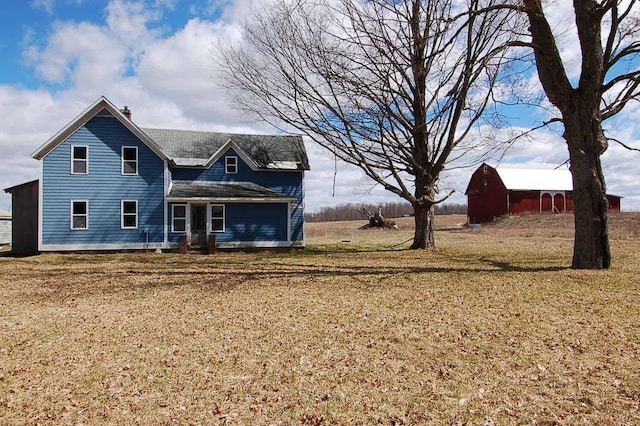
(490, 329)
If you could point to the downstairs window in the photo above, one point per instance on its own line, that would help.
(79, 214)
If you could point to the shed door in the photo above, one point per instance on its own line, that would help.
(198, 224)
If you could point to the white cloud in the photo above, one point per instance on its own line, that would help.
(129, 21)
(80, 55)
(168, 80)
(46, 5)
(179, 69)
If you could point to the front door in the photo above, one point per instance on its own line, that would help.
(198, 224)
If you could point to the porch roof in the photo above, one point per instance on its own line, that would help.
(189, 189)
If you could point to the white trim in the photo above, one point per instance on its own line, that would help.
(210, 219)
(122, 214)
(553, 194)
(122, 161)
(40, 198)
(187, 222)
(231, 200)
(71, 215)
(302, 204)
(192, 163)
(82, 118)
(86, 160)
(166, 203)
(229, 144)
(240, 152)
(226, 164)
(254, 244)
(288, 221)
(153, 246)
(173, 217)
(102, 246)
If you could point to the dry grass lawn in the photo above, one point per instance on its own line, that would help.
(490, 329)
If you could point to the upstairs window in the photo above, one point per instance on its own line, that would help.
(179, 218)
(129, 214)
(217, 218)
(129, 160)
(231, 164)
(79, 215)
(79, 160)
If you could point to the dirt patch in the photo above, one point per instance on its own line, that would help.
(622, 226)
(443, 222)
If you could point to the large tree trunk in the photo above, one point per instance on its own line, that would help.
(586, 142)
(423, 237)
(582, 118)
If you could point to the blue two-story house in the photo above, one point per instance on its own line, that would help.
(108, 184)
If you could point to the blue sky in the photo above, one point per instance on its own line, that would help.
(156, 56)
(58, 56)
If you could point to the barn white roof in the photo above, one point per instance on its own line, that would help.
(524, 179)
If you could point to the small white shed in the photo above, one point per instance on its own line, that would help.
(5, 228)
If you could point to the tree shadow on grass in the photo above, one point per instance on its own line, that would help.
(510, 267)
(287, 273)
(499, 265)
(226, 273)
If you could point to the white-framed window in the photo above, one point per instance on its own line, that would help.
(79, 214)
(179, 218)
(129, 217)
(231, 164)
(217, 217)
(129, 160)
(79, 159)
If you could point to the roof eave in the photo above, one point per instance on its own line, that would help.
(224, 148)
(84, 117)
(14, 187)
(231, 199)
(540, 190)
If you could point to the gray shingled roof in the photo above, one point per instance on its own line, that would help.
(192, 148)
(226, 190)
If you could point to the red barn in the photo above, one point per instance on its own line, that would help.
(494, 192)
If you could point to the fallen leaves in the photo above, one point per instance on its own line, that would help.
(476, 333)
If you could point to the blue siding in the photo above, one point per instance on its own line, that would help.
(255, 222)
(297, 224)
(248, 222)
(103, 187)
(285, 182)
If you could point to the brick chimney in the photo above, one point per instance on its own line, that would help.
(126, 111)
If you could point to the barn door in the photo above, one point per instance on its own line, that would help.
(558, 203)
(546, 203)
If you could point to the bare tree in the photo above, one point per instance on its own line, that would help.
(609, 38)
(395, 88)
